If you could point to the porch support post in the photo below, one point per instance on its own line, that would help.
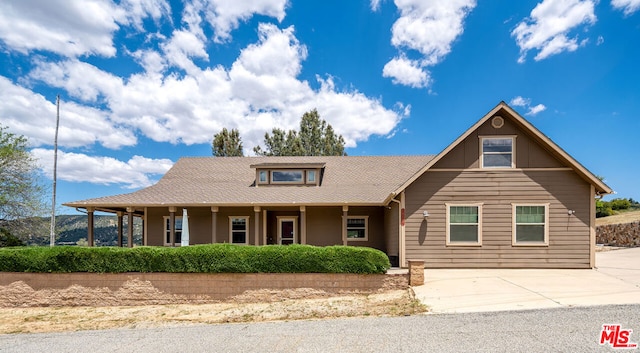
(214, 223)
(402, 246)
(256, 227)
(303, 225)
(120, 226)
(90, 227)
(130, 227)
(345, 213)
(172, 225)
(264, 227)
(592, 228)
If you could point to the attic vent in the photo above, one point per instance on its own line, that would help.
(497, 122)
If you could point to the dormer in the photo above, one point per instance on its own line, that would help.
(306, 174)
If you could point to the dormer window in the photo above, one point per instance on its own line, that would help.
(288, 173)
(497, 152)
(263, 176)
(287, 176)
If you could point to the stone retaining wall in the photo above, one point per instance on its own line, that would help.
(627, 234)
(108, 289)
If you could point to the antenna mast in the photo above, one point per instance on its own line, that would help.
(52, 236)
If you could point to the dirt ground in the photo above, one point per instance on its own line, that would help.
(24, 310)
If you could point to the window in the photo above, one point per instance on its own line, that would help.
(311, 176)
(167, 230)
(239, 230)
(464, 224)
(530, 224)
(287, 176)
(262, 176)
(497, 152)
(357, 227)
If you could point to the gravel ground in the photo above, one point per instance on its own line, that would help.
(552, 330)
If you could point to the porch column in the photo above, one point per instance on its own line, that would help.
(90, 226)
(303, 225)
(172, 225)
(130, 227)
(214, 223)
(592, 228)
(264, 227)
(256, 210)
(120, 228)
(402, 245)
(345, 213)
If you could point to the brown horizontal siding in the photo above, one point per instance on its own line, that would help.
(497, 191)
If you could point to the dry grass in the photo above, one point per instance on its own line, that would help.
(625, 217)
(56, 319)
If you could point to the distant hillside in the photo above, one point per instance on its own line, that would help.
(72, 228)
(624, 217)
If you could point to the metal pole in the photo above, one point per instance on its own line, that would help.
(52, 236)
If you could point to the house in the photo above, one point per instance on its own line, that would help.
(502, 195)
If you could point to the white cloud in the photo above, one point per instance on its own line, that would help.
(79, 79)
(628, 6)
(259, 92)
(406, 72)
(547, 28)
(428, 27)
(71, 27)
(519, 101)
(32, 115)
(76, 167)
(225, 15)
(375, 5)
(536, 109)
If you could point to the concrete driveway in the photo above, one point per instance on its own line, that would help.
(616, 280)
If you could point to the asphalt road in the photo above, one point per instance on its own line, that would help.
(548, 330)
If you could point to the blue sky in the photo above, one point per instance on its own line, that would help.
(144, 83)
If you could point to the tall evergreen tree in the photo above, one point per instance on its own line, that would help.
(315, 138)
(227, 144)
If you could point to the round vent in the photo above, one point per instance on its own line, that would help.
(497, 122)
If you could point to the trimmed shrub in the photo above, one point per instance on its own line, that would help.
(213, 258)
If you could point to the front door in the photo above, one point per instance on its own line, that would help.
(287, 230)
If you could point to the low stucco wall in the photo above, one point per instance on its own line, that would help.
(108, 289)
(627, 234)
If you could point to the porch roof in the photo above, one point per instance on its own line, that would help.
(230, 181)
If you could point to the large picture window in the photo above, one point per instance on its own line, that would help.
(357, 228)
(167, 230)
(530, 224)
(239, 230)
(464, 224)
(497, 152)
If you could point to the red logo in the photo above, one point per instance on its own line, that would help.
(617, 337)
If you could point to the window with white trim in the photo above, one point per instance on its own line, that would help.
(167, 230)
(464, 224)
(531, 224)
(357, 228)
(497, 152)
(238, 230)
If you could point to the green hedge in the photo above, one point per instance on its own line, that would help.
(215, 258)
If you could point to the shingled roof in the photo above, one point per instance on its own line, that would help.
(230, 181)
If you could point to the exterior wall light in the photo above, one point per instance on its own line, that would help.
(571, 212)
(425, 214)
